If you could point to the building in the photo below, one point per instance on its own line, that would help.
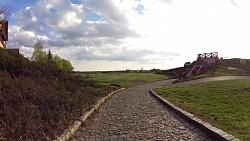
(3, 33)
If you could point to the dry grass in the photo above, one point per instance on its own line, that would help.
(40, 102)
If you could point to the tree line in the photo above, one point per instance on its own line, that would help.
(40, 56)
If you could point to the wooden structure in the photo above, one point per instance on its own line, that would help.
(209, 58)
(3, 33)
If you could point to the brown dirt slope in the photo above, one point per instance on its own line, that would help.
(38, 102)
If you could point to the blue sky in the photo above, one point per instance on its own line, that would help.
(131, 34)
(16, 5)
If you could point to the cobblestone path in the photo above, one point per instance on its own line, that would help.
(132, 115)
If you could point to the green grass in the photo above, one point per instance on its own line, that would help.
(219, 71)
(224, 104)
(124, 79)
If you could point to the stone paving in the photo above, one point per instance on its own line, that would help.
(133, 114)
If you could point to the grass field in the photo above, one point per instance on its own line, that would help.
(219, 71)
(124, 79)
(224, 104)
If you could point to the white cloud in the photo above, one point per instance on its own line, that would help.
(33, 19)
(194, 26)
(70, 20)
(42, 38)
(26, 51)
(161, 33)
(21, 37)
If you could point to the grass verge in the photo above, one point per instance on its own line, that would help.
(124, 79)
(224, 104)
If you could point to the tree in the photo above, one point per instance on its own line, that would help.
(49, 57)
(62, 63)
(42, 57)
(67, 65)
(39, 55)
(5, 11)
(57, 61)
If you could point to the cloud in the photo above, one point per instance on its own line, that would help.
(60, 23)
(166, 1)
(55, 16)
(89, 31)
(22, 37)
(135, 31)
(108, 10)
(123, 54)
(26, 51)
(110, 30)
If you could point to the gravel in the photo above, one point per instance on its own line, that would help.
(133, 114)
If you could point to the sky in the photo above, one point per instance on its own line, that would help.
(108, 35)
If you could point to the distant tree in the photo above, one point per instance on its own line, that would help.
(62, 63)
(56, 59)
(67, 65)
(5, 11)
(39, 55)
(42, 57)
(50, 57)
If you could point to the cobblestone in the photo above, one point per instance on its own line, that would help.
(133, 114)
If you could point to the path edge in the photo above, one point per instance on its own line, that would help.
(73, 128)
(212, 131)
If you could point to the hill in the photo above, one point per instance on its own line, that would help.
(238, 63)
(38, 102)
(233, 66)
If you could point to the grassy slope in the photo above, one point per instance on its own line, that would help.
(236, 63)
(38, 102)
(125, 79)
(221, 68)
(220, 71)
(224, 104)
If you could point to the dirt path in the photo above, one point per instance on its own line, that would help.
(133, 114)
